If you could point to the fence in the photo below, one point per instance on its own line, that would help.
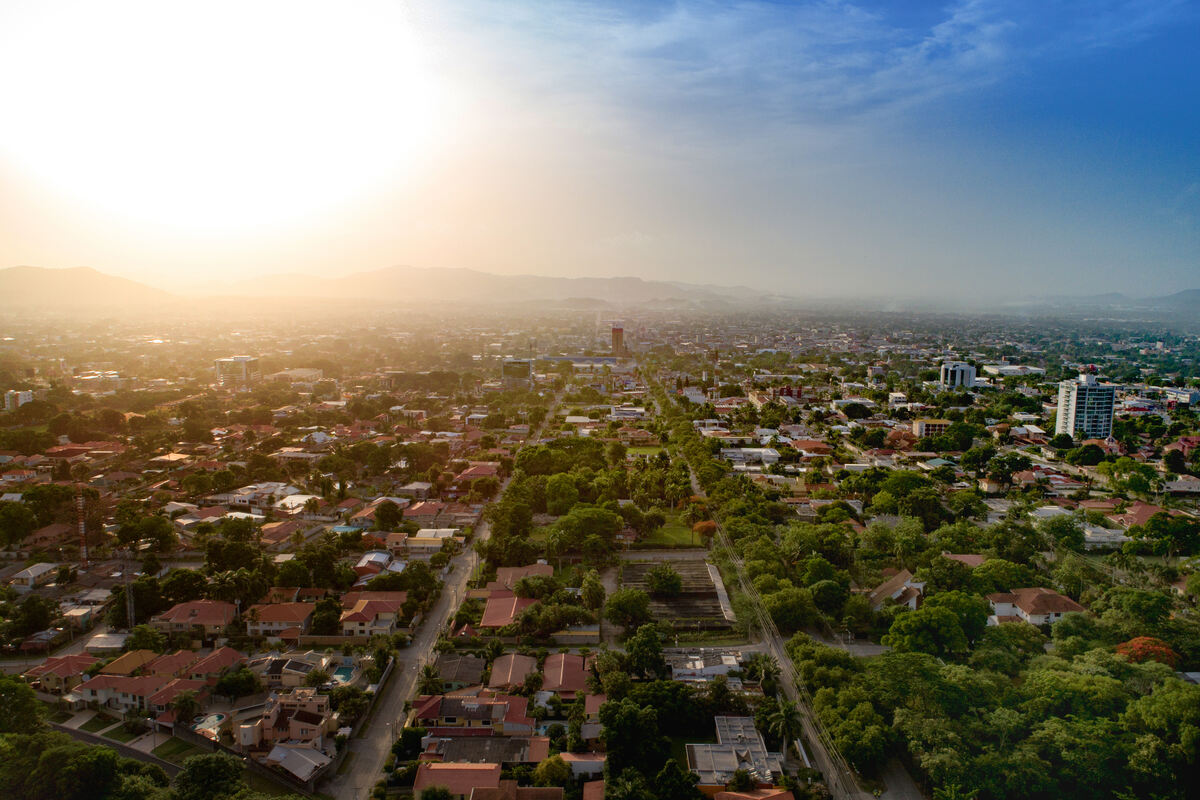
(120, 747)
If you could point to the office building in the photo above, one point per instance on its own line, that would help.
(957, 374)
(930, 427)
(618, 340)
(516, 373)
(1085, 408)
(237, 370)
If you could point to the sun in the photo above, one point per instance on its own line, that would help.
(215, 116)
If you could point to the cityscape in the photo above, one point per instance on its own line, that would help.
(599, 401)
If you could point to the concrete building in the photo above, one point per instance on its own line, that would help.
(237, 370)
(930, 427)
(618, 341)
(14, 399)
(1085, 408)
(957, 375)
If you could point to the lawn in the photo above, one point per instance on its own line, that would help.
(650, 450)
(98, 723)
(60, 716)
(675, 533)
(679, 750)
(120, 734)
(264, 785)
(176, 750)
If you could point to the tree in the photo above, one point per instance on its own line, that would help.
(673, 782)
(644, 651)
(552, 771)
(436, 793)
(971, 610)
(237, 682)
(430, 680)
(662, 579)
(145, 637)
(387, 516)
(16, 522)
(20, 710)
(1064, 530)
(628, 608)
(783, 721)
(1147, 648)
(592, 591)
(317, 677)
(186, 706)
(561, 494)
(208, 777)
(631, 737)
(935, 631)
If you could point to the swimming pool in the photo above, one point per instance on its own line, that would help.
(343, 674)
(208, 725)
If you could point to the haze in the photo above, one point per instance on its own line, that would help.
(820, 148)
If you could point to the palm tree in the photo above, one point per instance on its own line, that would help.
(784, 720)
(429, 681)
(186, 706)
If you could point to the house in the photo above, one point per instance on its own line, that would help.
(120, 692)
(129, 663)
(458, 671)
(210, 667)
(299, 760)
(504, 750)
(207, 618)
(59, 674)
(33, 577)
(485, 715)
(739, 747)
(900, 589)
(300, 716)
(510, 670)
(460, 779)
(1035, 605)
(507, 577)
(272, 619)
(502, 609)
(585, 765)
(509, 790)
(566, 674)
(369, 613)
(969, 560)
(174, 664)
(55, 534)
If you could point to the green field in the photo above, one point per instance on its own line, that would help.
(98, 723)
(651, 450)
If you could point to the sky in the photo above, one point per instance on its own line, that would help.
(963, 149)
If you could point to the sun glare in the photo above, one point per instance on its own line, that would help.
(214, 116)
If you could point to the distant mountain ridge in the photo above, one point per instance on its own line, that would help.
(428, 284)
(72, 288)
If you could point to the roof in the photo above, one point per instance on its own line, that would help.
(593, 790)
(62, 666)
(200, 612)
(971, 560)
(507, 577)
(460, 779)
(509, 790)
(281, 612)
(217, 660)
(1037, 600)
(171, 663)
(128, 663)
(466, 669)
(502, 609)
(890, 588)
(565, 673)
(511, 669)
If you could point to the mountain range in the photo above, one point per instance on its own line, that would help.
(85, 289)
(37, 287)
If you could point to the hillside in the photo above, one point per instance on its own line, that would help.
(34, 288)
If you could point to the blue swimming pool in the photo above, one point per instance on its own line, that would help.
(343, 674)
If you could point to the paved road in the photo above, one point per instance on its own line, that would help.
(370, 749)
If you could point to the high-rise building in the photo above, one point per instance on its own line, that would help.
(618, 340)
(237, 370)
(1085, 408)
(14, 399)
(957, 374)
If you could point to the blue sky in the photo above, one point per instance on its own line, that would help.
(976, 148)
